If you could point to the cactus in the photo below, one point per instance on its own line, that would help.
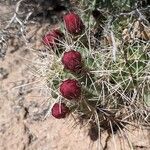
(99, 89)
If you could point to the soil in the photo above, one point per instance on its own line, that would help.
(25, 123)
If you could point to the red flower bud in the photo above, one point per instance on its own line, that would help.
(70, 89)
(60, 110)
(73, 23)
(52, 38)
(72, 60)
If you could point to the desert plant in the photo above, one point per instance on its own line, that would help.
(106, 85)
(98, 74)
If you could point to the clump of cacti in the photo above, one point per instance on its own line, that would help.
(91, 84)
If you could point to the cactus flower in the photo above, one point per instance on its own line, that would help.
(52, 38)
(72, 60)
(59, 110)
(73, 23)
(70, 89)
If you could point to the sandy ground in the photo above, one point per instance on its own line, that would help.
(24, 105)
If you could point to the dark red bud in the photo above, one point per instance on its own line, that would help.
(60, 110)
(72, 60)
(52, 38)
(70, 89)
(73, 23)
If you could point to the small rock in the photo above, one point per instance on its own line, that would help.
(3, 73)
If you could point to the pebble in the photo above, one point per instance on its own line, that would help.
(3, 73)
